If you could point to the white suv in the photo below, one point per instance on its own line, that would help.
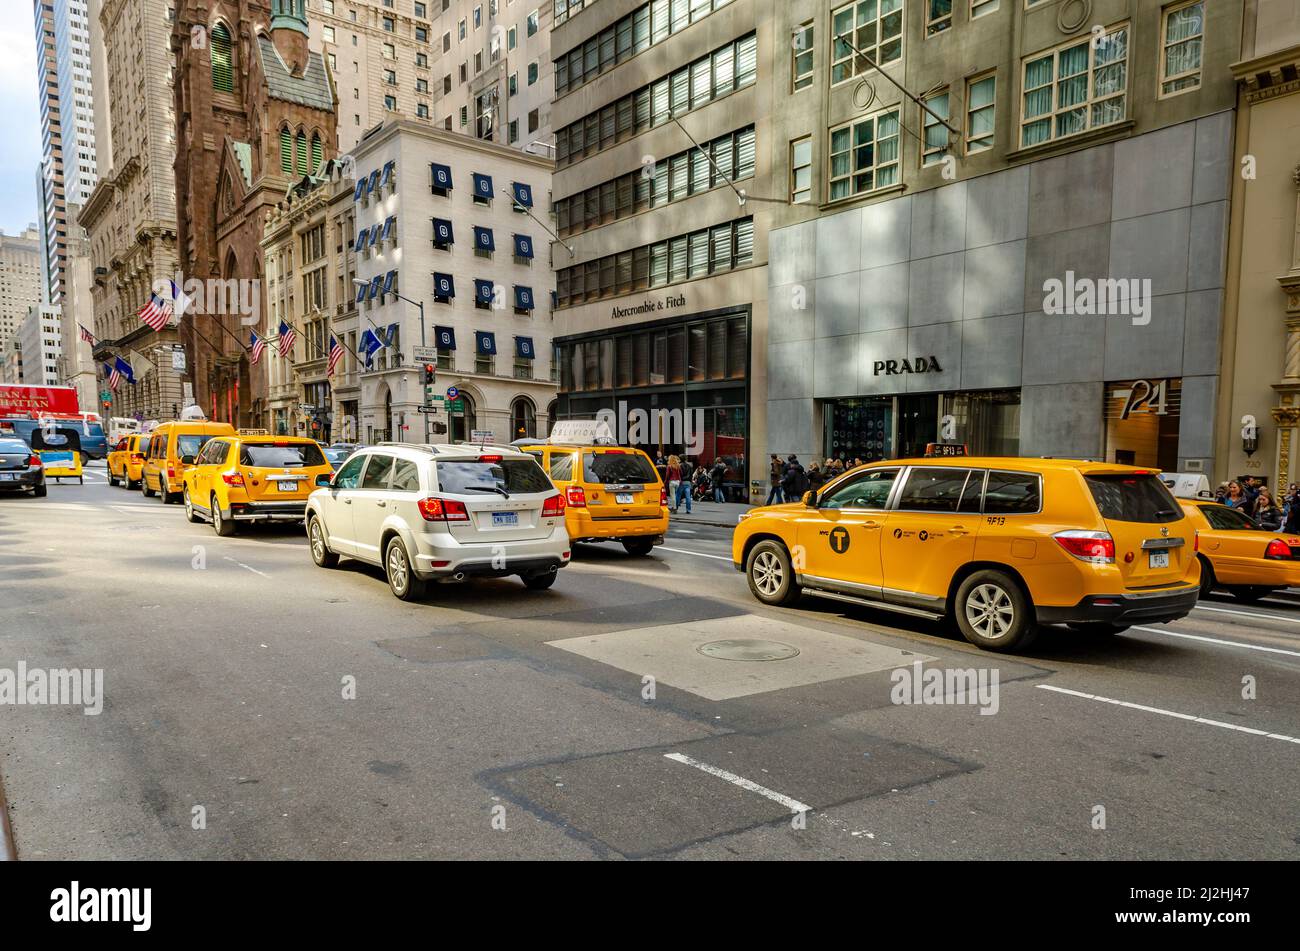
(440, 513)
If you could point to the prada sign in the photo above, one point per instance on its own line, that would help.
(914, 365)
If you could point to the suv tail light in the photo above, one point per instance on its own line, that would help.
(35, 461)
(577, 497)
(1095, 547)
(230, 478)
(1278, 549)
(171, 471)
(553, 507)
(663, 496)
(442, 510)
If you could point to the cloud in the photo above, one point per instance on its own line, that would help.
(20, 119)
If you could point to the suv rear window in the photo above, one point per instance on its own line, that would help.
(293, 456)
(1133, 498)
(618, 467)
(472, 477)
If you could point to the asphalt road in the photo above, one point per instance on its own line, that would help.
(495, 722)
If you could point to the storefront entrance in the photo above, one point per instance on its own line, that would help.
(898, 427)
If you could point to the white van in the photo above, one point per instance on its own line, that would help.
(119, 426)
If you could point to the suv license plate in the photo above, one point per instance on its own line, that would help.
(624, 498)
(1158, 559)
(505, 518)
(287, 486)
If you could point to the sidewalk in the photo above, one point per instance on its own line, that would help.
(720, 514)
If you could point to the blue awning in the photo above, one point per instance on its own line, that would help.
(389, 279)
(486, 342)
(375, 284)
(523, 194)
(482, 291)
(523, 246)
(440, 175)
(361, 292)
(374, 236)
(389, 223)
(445, 337)
(388, 173)
(443, 234)
(523, 297)
(482, 186)
(484, 240)
(444, 286)
(372, 181)
(361, 239)
(524, 348)
(361, 187)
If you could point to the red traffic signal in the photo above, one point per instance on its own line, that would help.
(429, 375)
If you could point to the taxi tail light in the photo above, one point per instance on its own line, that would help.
(136, 457)
(171, 471)
(232, 478)
(663, 495)
(1196, 540)
(1278, 550)
(577, 497)
(1095, 547)
(553, 506)
(434, 509)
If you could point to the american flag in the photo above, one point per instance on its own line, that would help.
(86, 335)
(156, 312)
(258, 346)
(114, 377)
(336, 354)
(288, 336)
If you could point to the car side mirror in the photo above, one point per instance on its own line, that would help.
(187, 460)
(810, 499)
(324, 480)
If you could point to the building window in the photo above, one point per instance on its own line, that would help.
(514, 130)
(938, 16)
(532, 23)
(981, 97)
(222, 61)
(512, 84)
(390, 25)
(1180, 56)
(422, 60)
(390, 51)
(390, 103)
(390, 77)
(936, 133)
(464, 116)
(422, 111)
(864, 155)
(478, 63)
(420, 11)
(446, 42)
(1076, 88)
(421, 34)
(532, 73)
(801, 170)
(446, 84)
(532, 120)
(422, 86)
(875, 29)
(327, 33)
(802, 57)
(460, 31)
(980, 7)
(510, 38)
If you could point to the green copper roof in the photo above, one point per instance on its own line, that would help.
(244, 155)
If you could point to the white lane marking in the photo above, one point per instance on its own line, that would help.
(1171, 713)
(1269, 617)
(1215, 640)
(794, 805)
(683, 531)
(248, 567)
(700, 554)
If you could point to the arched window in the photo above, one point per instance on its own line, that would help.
(300, 152)
(286, 151)
(223, 73)
(523, 419)
(462, 423)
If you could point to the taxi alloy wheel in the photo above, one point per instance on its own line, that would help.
(222, 526)
(397, 566)
(144, 487)
(993, 613)
(320, 552)
(771, 575)
(190, 514)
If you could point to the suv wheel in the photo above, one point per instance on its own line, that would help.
(771, 575)
(397, 566)
(540, 581)
(993, 613)
(639, 546)
(320, 551)
(190, 514)
(225, 527)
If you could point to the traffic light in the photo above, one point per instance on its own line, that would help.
(430, 374)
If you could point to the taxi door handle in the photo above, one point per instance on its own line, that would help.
(870, 525)
(959, 530)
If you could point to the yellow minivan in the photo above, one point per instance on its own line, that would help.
(126, 460)
(997, 545)
(253, 478)
(612, 493)
(172, 449)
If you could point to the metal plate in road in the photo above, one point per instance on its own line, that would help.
(748, 649)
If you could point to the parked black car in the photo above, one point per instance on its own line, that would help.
(20, 468)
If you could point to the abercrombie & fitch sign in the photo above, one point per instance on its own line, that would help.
(914, 365)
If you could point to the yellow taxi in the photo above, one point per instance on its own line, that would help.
(173, 447)
(613, 493)
(126, 460)
(997, 545)
(251, 477)
(1238, 556)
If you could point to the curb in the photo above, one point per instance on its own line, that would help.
(8, 850)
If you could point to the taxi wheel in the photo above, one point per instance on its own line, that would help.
(993, 613)
(1207, 577)
(190, 514)
(770, 574)
(320, 551)
(1249, 593)
(639, 546)
(144, 488)
(224, 527)
(397, 566)
(112, 479)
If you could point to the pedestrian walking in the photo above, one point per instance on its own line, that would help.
(775, 496)
(718, 476)
(673, 477)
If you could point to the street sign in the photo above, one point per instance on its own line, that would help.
(482, 436)
(432, 410)
(452, 392)
(178, 358)
(455, 406)
(424, 354)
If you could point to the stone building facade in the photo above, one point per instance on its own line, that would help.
(255, 113)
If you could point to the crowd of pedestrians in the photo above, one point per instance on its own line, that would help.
(1251, 497)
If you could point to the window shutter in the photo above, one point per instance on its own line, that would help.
(300, 152)
(222, 71)
(315, 154)
(286, 152)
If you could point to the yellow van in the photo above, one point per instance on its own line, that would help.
(996, 545)
(612, 493)
(172, 449)
(126, 460)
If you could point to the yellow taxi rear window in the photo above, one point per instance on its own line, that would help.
(613, 465)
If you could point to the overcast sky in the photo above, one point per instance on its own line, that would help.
(20, 117)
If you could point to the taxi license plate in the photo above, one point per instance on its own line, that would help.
(287, 486)
(505, 518)
(624, 498)
(1158, 559)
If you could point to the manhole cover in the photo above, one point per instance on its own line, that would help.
(748, 650)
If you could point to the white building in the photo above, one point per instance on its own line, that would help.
(40, 339)
(463, 227)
